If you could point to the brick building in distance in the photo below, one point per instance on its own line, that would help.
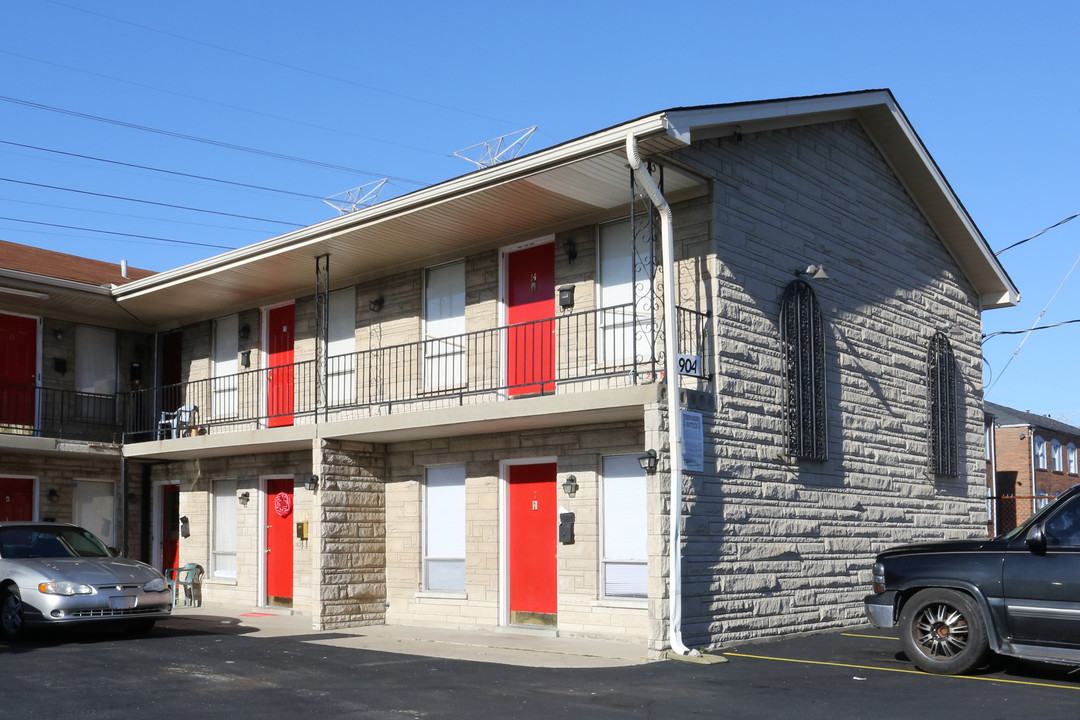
(1030, 459)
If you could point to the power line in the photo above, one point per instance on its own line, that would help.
(148, 202)
(987, 336)
(1057, 224)
(162, 170)
(295, 68)
(206, 141)
(259, 113)
(129, 215)
(120, 234)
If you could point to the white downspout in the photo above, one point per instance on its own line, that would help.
(671, 378)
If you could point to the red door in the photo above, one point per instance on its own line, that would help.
(18, 369)
(530, 299)
(279, 383)
(279, 542)
(16, 499)
(170, 527)
(533, 534)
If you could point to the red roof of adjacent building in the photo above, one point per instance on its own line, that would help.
(49, 263)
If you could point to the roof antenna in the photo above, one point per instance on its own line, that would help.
(361, 197)
(495, 151)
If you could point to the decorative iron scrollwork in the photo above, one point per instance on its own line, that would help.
(943, 427)
(802, 340)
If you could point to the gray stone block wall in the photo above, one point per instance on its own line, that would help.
(773, 546)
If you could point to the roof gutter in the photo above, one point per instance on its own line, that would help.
(671, 378)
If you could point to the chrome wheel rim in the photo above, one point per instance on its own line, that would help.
(941, 631)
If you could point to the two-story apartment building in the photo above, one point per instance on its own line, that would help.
(673, 382)
(1030, 459)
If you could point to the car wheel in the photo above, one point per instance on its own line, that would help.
(942, 631)
(12, 621)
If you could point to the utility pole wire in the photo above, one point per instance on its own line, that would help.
(1034, 325)
(1057, 224)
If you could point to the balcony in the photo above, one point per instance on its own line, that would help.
(572, 353)
(35, 411)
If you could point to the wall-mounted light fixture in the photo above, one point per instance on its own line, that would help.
(245, 498)
(312, 483)
(59, 334)
(376, 304)
(245, 331)
(570, 248)
(649, 461)
(570, 486)
(54, 495)
(816, 272)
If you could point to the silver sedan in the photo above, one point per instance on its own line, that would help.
(55, 573)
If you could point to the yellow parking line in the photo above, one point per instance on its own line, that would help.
(902, 670)
(872, 637)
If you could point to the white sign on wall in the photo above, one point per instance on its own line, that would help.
(693, 442)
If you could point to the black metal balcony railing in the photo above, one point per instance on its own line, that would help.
(576, 352)
(63, 414)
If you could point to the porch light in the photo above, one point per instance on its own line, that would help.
(570, 248)
(54, 495)
(376, 304)
(311, 483)
(570, 486)
(245, 498)
(648, 461)
(816, 272)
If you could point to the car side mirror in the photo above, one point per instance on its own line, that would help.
(1036, 539)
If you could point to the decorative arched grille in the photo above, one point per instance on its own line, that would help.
(942, 399)
(802, 339)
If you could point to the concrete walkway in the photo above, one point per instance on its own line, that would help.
(508, 647)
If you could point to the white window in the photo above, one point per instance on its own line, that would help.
(225, 388)
(94, 508)
(1055, 456)
(444, 529)
(223, 539)
(95, 372)
(1040, 453)
(444, 327)
(625, 560)
(1072, 458)
(626, 315)
(341, 348)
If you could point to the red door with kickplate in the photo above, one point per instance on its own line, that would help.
(279, 542)
(16, 499)
(533, 534)
(170, 527)
(530, 298)
(279, 383)
(18, 369)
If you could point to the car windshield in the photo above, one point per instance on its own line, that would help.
(49, 542)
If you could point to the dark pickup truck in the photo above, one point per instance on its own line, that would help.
(1017, 594)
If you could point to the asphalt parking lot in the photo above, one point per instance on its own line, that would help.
(206, 664)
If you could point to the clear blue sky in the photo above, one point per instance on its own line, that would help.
(393, 89)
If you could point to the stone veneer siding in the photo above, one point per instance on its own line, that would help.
(774, 546)
(578, 450)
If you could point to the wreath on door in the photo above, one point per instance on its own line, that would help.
(283, 504)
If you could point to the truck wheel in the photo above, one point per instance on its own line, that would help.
(942, 632)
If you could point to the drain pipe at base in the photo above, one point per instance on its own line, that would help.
(671, 378)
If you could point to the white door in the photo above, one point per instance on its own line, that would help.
(95, 509)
